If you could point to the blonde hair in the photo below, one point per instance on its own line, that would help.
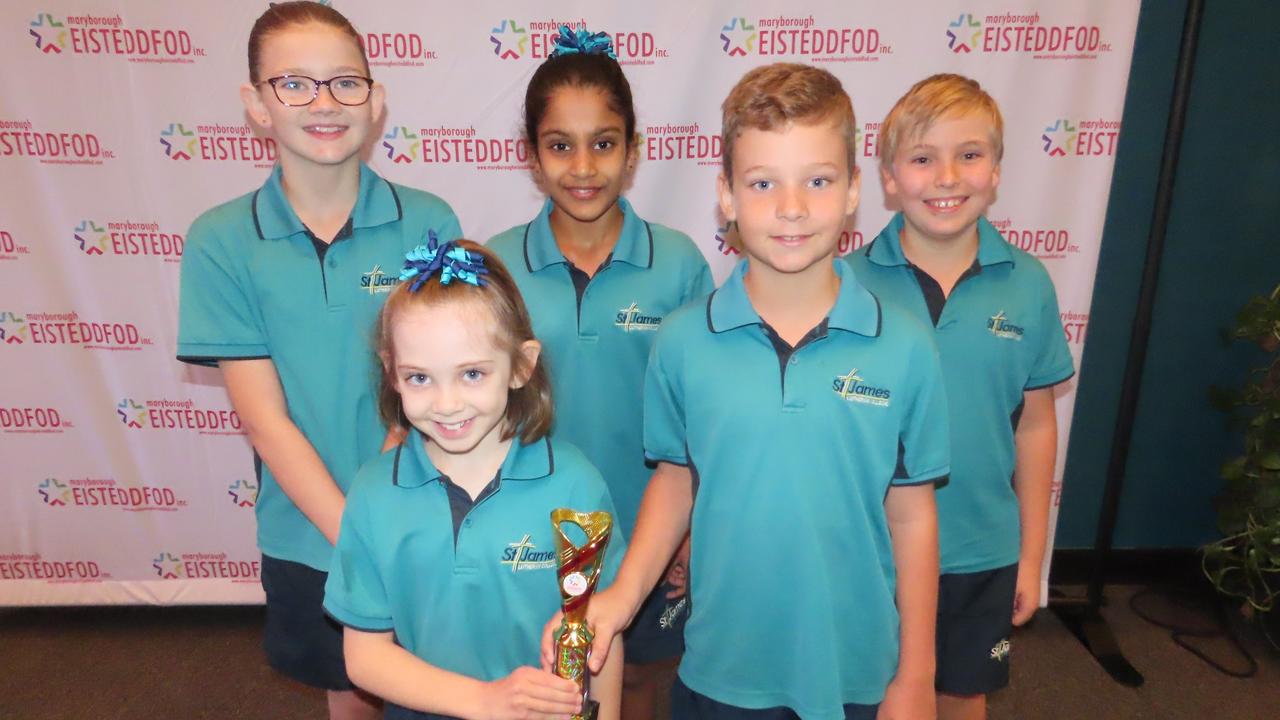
(771, 96)
(931, 99)
(529, 407)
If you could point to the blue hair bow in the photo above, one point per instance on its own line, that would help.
(449, 259)
(581, 41)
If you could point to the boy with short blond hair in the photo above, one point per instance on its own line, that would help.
(798, 428)
(995, 319)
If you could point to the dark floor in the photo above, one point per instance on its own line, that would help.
(189, 663)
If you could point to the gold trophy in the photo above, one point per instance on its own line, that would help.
(578, 573)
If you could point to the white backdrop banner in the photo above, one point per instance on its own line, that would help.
(125, 476)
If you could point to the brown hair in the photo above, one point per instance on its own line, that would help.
(280, 16)
(529, 407)
(931, 99)
(581, 70)
(771, 96)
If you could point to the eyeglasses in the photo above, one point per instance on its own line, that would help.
(299, 90)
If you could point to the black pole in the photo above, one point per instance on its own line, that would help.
(1087, 622)
(1141, 334)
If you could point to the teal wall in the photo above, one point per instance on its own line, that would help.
(1223, 247)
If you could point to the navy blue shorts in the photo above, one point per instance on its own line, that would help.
(657, 632)
(689, 705)
(975, 619)
(302, 642)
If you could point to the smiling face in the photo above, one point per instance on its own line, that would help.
(791, 194)
(945, 179)
(582, 158)
(323, 133)
(454, 379)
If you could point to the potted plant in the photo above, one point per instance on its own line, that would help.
(1245, 563)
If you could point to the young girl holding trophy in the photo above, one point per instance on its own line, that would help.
(446, 565)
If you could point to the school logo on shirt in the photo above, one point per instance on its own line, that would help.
(1000, 326)
(852, 388)
(1000, 651)
(633, 318)
(376, 281)
(523, 555)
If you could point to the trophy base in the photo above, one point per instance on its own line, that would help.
(590, 712)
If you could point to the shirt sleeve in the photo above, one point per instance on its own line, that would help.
(218, 315)
(924, 441)
(354, 594)
(1053, 362)
(664, 421)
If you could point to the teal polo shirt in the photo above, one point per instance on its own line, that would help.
(257, 284)
(476, 604)
(793, 451)
(596, 335)
(999, 335)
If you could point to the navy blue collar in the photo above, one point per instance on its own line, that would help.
(634, 247)
(886, 249)
(856, 309)
(376, 204)
(524, 462)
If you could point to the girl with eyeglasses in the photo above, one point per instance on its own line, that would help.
(280, 290)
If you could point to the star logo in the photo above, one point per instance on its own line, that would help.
(48, 28)
(131, 413)
(727, 240)
(13, 328)
(53, 492)
(167, 566)
(402, 145)
(962, 33)
(1059, 138)
(84, 237)
(243, 493)
(738, 38)
(514, 40)
(174, 146)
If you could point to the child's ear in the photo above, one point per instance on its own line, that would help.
(887, 181)
(855, 188)
(253, 105)
(724, 191)
(377, 101)
(995, 176)
(633, 152)
(529, 351)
